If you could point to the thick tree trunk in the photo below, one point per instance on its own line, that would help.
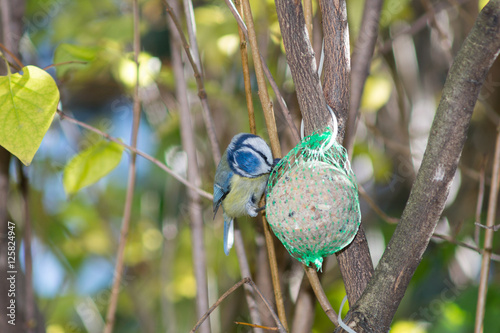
(375, 309)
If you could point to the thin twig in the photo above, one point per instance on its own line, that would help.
(320, 294)
(494, 257)
(267, 72)
(245, 280)
(16, 59)
(375, 207)
(246, 72)
(488, 240)
(281, 327)
(256, 326)
(245, 272)
(267, 105)
(276, 149)
(219, 301)
(480, 199)
(393, 220)
(493, 227)
(361, 60)
(202, 94)
(193, 174)
(134, 150)
(127, 209)
(66, 63)
(445, 41)
(419, 24)
(191, 29)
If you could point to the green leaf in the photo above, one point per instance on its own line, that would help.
(69, 52)
(28, 104)
(90, 165)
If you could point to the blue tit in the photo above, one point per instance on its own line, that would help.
(240, 180)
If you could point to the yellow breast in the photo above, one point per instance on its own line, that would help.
(242, 191)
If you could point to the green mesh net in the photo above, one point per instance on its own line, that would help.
(312, 200)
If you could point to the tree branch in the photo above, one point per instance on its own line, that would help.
(488, 241)
(187, 136)
(300, 58)
(337, 64)
(354, 261)
(361, 61)
(127, 209)
(375, 309)
(267, 72)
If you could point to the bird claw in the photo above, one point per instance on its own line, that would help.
(252, 210)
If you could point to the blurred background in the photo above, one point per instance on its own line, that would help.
(75, 238)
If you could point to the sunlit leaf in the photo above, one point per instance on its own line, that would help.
(90, 165)
(482, 3)
(376, 93)
(406, 326)
(29, 102)
(68, 52)
(149, 69)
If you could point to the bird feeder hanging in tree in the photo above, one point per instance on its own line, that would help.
(312, 202)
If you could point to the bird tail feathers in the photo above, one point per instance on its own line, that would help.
(228, 234)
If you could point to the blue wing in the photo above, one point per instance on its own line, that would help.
(222, 183)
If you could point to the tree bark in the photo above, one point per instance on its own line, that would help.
(375, 309)
(354, 261)
(300, 58)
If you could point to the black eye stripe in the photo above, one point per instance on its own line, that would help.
(258, 152)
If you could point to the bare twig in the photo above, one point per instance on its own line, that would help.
(219, 301)
(248, 281)
(246, 72)
(257, 326)
(480, 199)
(488, 240)
(445, 41)
(65, 63)
(493, 227)
(16, 59)
(281, 327)
(276, 149)
(134, 150)
(375, 207)
(420, 23)
(267, 72)
(127, 210)
(361, 60)
(495, 257)
(245, 272)
(202, 94)
(320, 294)
(191, 29)
(193, 175)
(393, 220)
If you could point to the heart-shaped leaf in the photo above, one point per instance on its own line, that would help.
(90, 165)
(28, 103)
